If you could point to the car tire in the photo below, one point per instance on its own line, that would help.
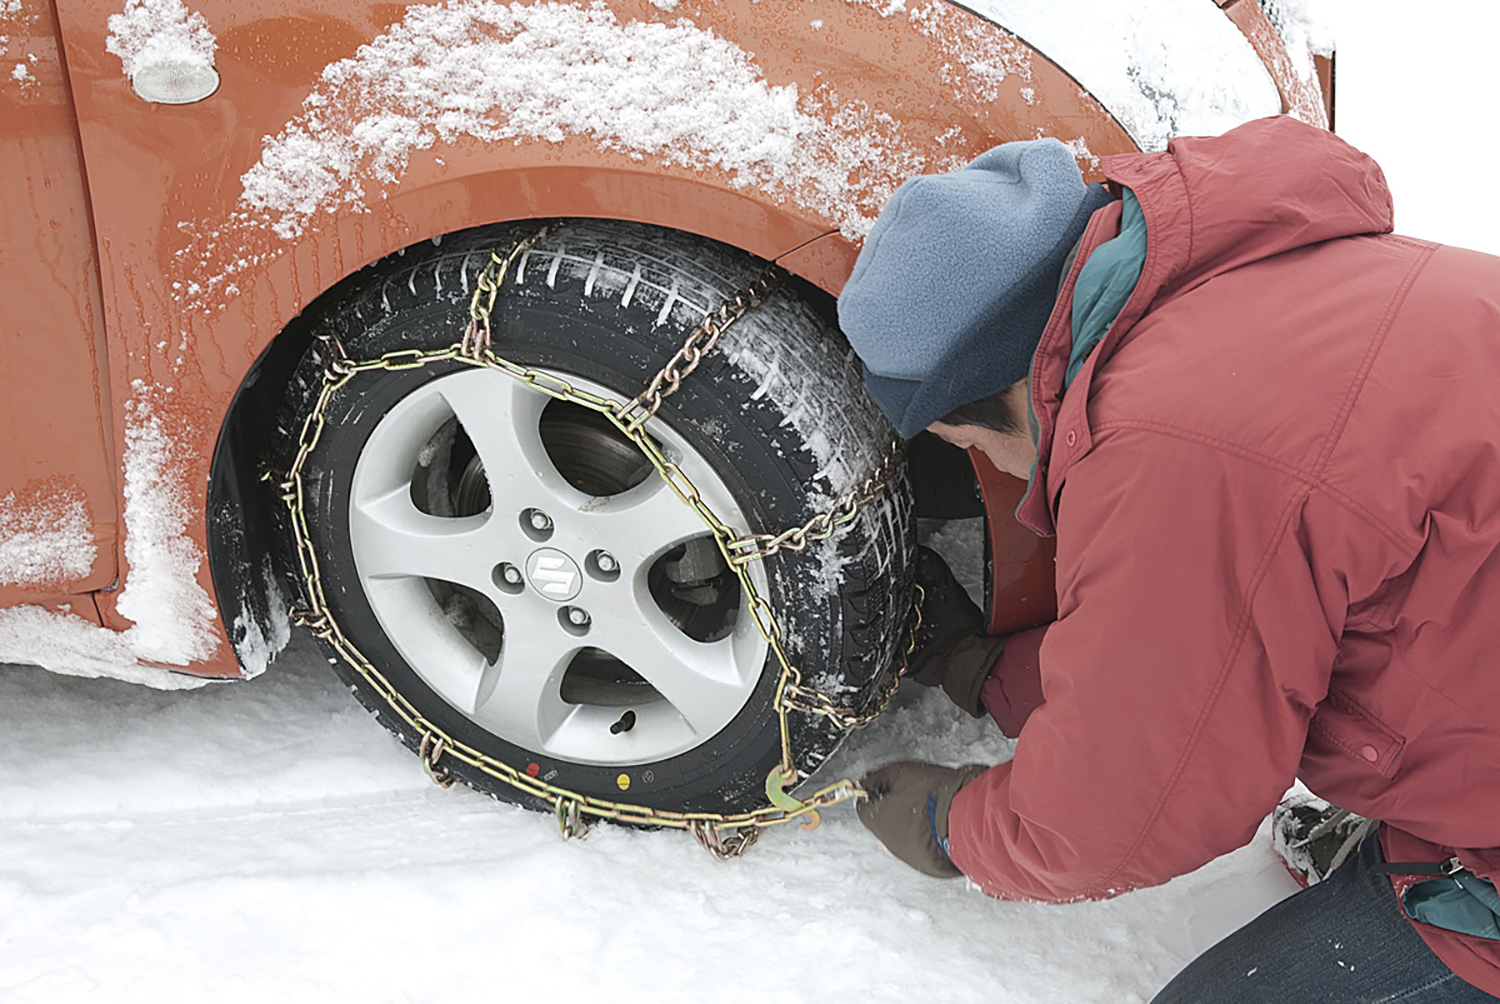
(773, 426)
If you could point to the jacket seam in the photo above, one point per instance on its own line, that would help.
(1367, 620)
(1357, 384)
(1187, 200)
(1376, 616)
(1410, 242)
(1290, 470)
(1211, 701)
(1467, 713)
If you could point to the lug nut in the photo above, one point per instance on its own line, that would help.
(508, 578)
(540, 520)
(577, 617)
(606, 562)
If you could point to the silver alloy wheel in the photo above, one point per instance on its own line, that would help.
(566, 604)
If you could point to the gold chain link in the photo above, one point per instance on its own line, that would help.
(724, 835)
(430, 751)
(487, 287)
(812, 702)
(702, 338)
(754, 546)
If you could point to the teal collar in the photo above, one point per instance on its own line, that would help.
(1105, 283)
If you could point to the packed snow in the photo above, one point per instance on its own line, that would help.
(269, 841)
(255, 646)
(69, 643)
(175, 621)
(160, 32)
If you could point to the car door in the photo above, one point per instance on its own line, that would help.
(57, 485)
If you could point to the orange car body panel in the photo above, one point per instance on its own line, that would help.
(1309, 99)
(56, 443)
(178, 288)
(1022, 583)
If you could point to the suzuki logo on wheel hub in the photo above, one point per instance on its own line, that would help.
(554, 574)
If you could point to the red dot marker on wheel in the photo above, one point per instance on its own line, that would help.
(533, 770)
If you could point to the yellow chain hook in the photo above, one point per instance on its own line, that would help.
(776, 783)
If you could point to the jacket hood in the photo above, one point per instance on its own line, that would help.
(1214, 203)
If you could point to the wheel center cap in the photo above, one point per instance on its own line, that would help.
(554, 574)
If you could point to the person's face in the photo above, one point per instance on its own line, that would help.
(1011, 452)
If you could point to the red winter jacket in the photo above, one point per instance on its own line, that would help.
(1275, 487)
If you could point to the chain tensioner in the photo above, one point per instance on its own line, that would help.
(723, 835)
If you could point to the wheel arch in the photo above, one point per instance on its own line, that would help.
(251, 570)
(280, 287)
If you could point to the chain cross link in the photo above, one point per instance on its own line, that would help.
(755, 546)
(702, 339)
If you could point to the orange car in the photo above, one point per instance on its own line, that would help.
(355, 309)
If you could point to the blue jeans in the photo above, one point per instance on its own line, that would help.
(1342, 940)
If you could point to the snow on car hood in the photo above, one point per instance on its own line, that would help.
(498, 72)
(677, 93)
(1163, 68)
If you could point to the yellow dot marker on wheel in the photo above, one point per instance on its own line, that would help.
(623, 781)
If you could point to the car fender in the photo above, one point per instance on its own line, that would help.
(217, 224)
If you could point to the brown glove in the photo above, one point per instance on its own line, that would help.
(907, 809)
(952, 648)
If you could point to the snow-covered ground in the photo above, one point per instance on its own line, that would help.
(267, 841)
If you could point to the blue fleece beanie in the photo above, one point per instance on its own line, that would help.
(955, 283)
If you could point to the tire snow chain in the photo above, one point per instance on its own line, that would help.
(723, 835)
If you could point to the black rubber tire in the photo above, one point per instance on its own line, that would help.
(779, 409)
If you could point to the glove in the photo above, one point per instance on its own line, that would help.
(907, 810)
(952, 649)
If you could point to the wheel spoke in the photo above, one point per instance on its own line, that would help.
(520, 695)
(426, 639)
(392, 537)
(638, 525)
(501, 416)
(699, 679)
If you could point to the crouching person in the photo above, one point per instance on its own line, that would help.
(1266, 434)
